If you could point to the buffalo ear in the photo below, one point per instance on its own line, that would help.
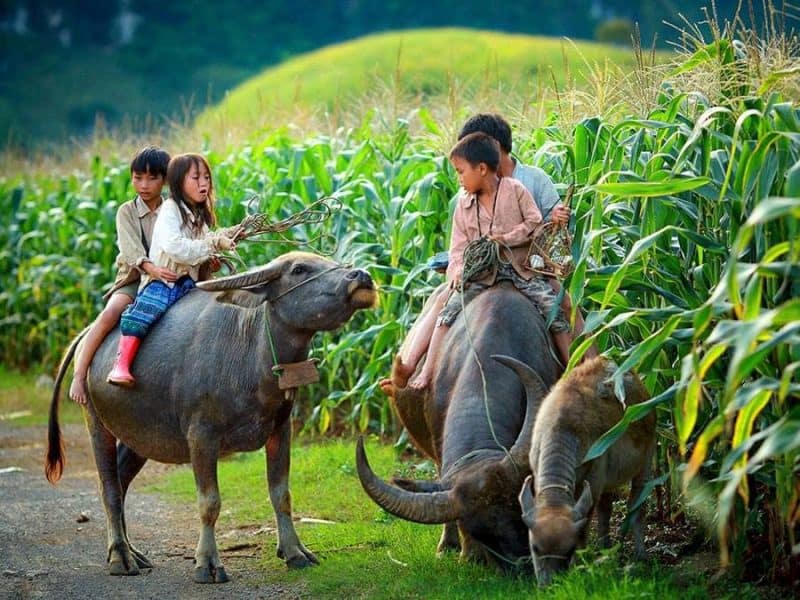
(584, 503)
(577, 526)
(418, 485)
(527, 503)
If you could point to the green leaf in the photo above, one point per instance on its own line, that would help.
(792, 186)
(785, 439)
(647, 189)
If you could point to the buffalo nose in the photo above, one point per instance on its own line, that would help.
(360, 276)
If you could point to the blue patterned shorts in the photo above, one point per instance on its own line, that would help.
(151, 304)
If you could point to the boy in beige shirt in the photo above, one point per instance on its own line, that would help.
(502, 210)
(135, 221)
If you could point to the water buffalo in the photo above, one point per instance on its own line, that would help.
(478, 435)
(205, 388)
(576, 412)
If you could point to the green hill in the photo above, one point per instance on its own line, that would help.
(148, 64)
(424, 62)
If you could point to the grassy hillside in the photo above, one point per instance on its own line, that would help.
(144, 65)
(424, 63)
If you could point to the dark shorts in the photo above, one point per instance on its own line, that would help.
(538, 290)
(129, 290)
(151, 304)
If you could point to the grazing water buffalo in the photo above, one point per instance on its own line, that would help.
(477, 436)
(205, 388)
(576, 412)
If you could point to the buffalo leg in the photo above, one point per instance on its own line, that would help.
(449, 540)
(604, 506)
(204, 452)
(121, 561)
(290, 548)
(473, 551)
(128, 466)
(637, 518)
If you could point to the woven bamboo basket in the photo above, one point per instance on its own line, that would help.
(550, 252)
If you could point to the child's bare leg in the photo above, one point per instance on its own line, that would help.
(562, 340)
(406, 363)
(105, 322)
(423, 378)
(566, 307)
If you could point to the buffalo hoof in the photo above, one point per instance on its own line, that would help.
(210, 574)
(121, 561)
(302, 561)
(141, 560)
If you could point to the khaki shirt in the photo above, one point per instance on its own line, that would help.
(135, 223)
(514, 220)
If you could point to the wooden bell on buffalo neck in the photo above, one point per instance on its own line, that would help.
(293, 375)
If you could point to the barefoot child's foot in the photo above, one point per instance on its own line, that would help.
(401, 372)
(387, 387)
(77, 390)
(421, 381)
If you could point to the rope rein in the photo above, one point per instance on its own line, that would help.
(309, 280)
(562, 486)
(281, 295)
(479, 255)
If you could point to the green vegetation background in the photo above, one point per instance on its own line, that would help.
(685, 241)
(64, 62)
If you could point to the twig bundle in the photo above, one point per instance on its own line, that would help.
(316, 212)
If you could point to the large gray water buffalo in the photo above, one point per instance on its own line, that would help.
(205, 388)
(477, 436)
(573, 416)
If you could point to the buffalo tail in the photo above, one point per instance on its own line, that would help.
(55, 456)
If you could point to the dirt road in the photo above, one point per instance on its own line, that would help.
(53, 539)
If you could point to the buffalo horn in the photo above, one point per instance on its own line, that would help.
(535, 391)
(419, 507)
(247, 279)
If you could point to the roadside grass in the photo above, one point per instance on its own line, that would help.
(364, 552)
(367, 553)
(24, 403)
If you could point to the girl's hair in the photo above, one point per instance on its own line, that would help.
(178, 167)
(491, 124)
(477, 148)
(150, 159)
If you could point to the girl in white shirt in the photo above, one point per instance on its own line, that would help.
(182, 242)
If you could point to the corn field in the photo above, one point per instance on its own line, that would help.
(687, 267)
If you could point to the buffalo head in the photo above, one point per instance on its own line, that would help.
(306, 290)
(555, 531)
(478, 491)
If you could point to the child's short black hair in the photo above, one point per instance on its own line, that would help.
(490, 124)
(150, 159)
(477, 148)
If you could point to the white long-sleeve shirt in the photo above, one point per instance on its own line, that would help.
(177, 246)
